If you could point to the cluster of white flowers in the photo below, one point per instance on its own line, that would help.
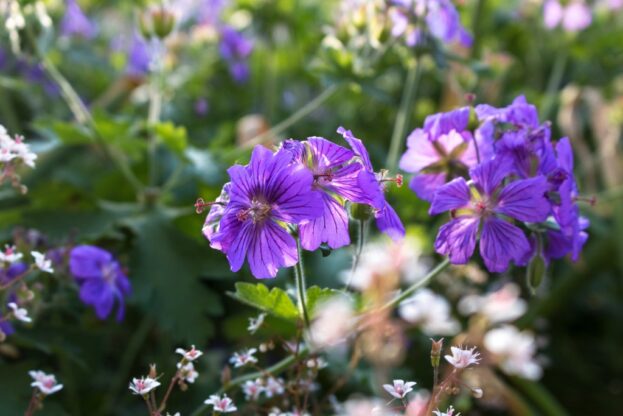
(13, 152)
(503, 305)
(514, 351)
(430, 311)
(333, 322)
(269, 386)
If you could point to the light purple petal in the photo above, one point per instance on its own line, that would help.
(420, 152)
(577, 17)
(500, 243)
(525, 200)
(443, 123)
(86, 261)
(328, 154)
(271, 248)
(457, 239)
(371, 189)
(331, 227)
(453, 195)
(552, 13)
(98, 294)
(294, 199)
(240, 241)
(425, 185)
(389, 222)
(488, 175)
(358, 147)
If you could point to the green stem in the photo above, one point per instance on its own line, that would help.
(361, 236)
(294, 118)
(153, 117)
(476, 25)
(419, 284)
(299, 275)
(400, 125)
(553, 85)
(275, 369)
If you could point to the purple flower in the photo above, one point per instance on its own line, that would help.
(235, 49)
(373, 186)
(574, 17)
(76, 23)
(139, 57)
(571, 236)
(335, 174)
(436, 161)
(101, 280)
(441, 20)
(6, 328)
(11, 272)
(264, 196)
(484, 207)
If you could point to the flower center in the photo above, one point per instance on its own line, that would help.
(109, 274)
(323, 178)
(257, 212)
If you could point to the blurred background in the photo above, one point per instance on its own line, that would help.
(233, 74)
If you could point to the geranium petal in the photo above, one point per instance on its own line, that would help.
(500, 243)
(453, 195)
(525, 200)
(270, 248)
(457, 239)
(331, 227)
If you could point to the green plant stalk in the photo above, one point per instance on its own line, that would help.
(294, 118)
(153, 117)
(417, 285)
(361, 237)
(406, 105)
(301, 286)
(554, 82)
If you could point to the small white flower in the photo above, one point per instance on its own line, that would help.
(188, 372)
(10, 255)
(244, 357)
(143, 385)
(191, 355)
(252, 389)
(477, 392)
(399, 389)
(46, 383)
(462, 358)
(42, 263)
(333, 322)
(256, 323)
(514, 351)
(449, 412)
(317, 363)
(273, 387)
(20, 314)
(221, 405)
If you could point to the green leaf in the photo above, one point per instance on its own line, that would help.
(165, 269)
(174, 138)
(65, 132)
(276, 301)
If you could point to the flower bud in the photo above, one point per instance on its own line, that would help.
(226, 375)
(435, 352)
(361, 212)
(535, 272)
(153, 373)
(477, 393)
(473, 122)
(158, 22)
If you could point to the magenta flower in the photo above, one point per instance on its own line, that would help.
(373, 186)
(485, 207)
(335, 172)
(264, 196)
(101, 280)
(574, 17)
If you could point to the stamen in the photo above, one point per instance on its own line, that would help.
(398, 180)
(200, 205)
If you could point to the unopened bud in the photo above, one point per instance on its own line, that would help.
(535, 272)
(473, 122)
(2, 336)
(158, 22)
(153, 373)
(226, 375)
(477, 392)
(435, 352)
(361, 212)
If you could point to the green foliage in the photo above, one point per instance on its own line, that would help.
(274, 301)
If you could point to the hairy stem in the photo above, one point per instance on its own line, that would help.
(299, 275)
(400, 125)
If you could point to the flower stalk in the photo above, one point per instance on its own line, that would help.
(299, 275)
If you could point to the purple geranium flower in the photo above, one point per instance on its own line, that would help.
(373, 186)
(12, 272)
(235, 49)
(485, 207)
(139, 57)
(264, 196)
(441, 20)
(335, 172)
(101, 280)
(76, 23)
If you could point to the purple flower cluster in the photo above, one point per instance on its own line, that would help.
(305, 184)
(416, 19)
(495, 169)
(235, 49)
(101, 279)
